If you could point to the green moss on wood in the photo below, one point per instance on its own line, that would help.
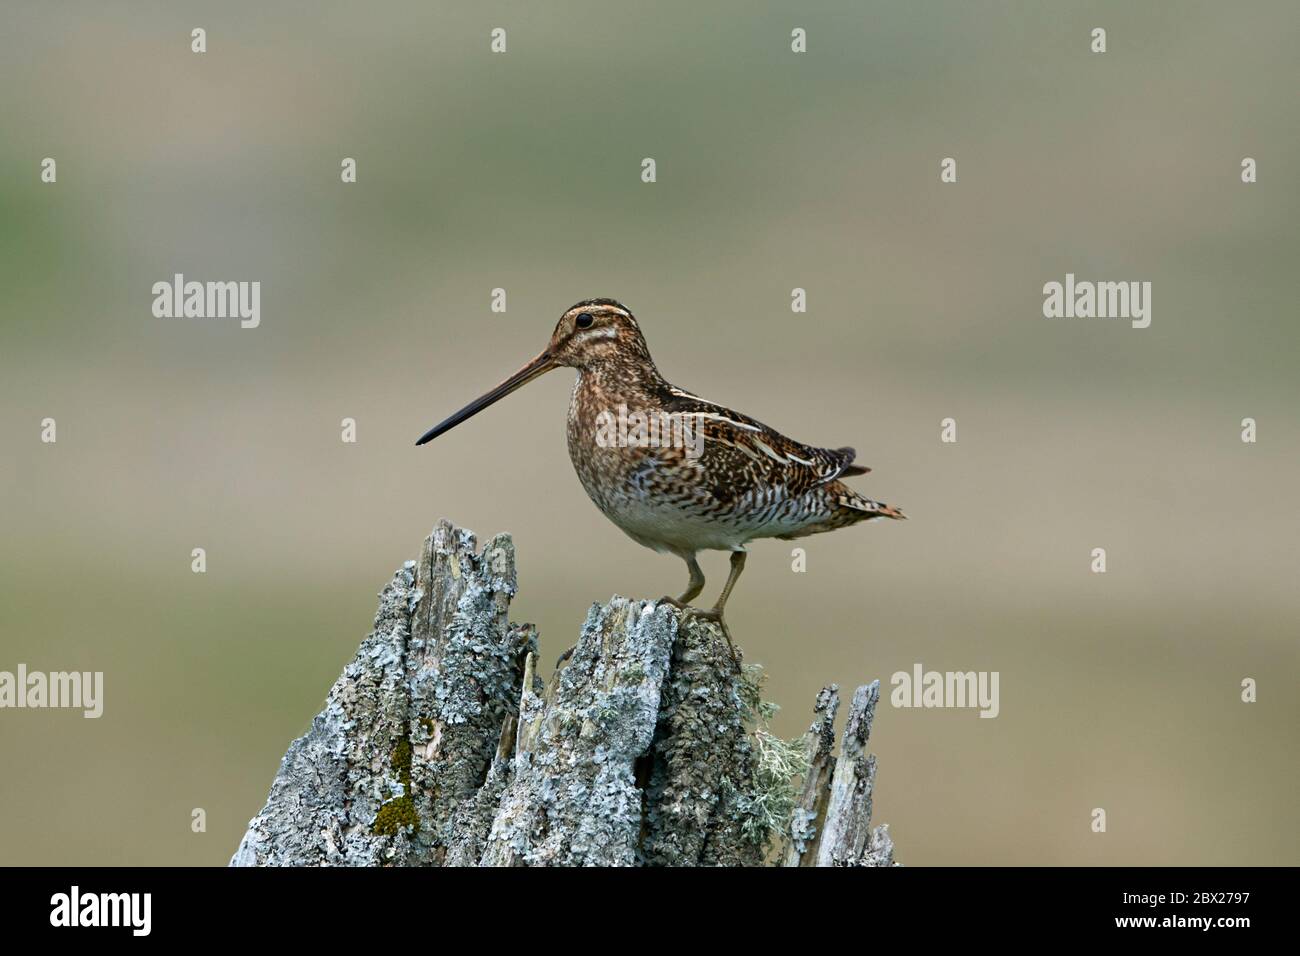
(400, 760)
(398, 814)
(395, 816)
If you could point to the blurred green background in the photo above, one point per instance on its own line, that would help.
(775, 170)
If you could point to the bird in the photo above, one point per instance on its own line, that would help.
(677, 473)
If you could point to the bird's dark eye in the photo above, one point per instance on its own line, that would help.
(584, 320)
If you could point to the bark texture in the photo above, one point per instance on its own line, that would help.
(439, 744)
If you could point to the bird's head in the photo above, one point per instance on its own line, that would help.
(593, 332)
(596, 331)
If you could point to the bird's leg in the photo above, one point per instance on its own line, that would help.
(696, 583)
(737, 565)
(693, 587)
(715, 613)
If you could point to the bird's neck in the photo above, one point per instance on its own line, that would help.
(622, 379)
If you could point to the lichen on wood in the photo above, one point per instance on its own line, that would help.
(440, 745)
(832, 825)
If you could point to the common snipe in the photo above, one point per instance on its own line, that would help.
(675, 472)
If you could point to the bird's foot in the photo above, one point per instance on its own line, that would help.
(565, 656)
(675, 602)
(713, 614)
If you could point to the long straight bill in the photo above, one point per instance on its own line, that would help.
(538, 366)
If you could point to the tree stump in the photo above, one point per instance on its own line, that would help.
(439, 744)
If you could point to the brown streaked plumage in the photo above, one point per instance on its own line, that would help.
(706, 478)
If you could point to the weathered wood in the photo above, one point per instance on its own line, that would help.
(439, 745)
(847, 838)
(574, 798)
(809, 816)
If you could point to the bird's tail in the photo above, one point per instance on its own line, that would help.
(841, 507)
(861, 508)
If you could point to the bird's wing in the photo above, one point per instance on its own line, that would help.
(772, 457)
